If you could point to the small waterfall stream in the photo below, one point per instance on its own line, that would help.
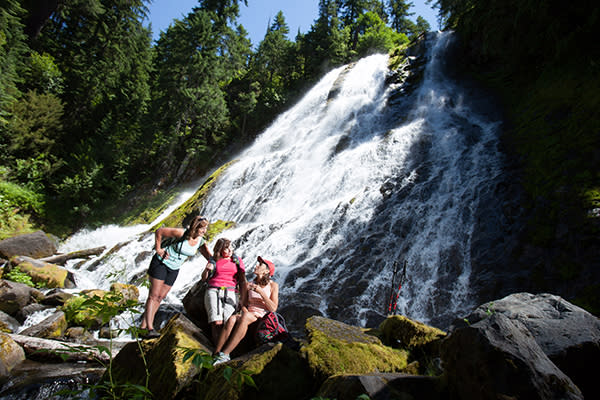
(342, 186)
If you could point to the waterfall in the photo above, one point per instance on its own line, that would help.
(347, 183)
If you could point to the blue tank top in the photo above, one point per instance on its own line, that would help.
(180, 252)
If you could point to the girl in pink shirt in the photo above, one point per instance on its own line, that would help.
(222, 296)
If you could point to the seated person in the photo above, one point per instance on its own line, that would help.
(262, 297)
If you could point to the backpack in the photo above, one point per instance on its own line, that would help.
(271, 328)
(170, 241)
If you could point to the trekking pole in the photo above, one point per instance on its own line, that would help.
(402, 277)
(392, 287)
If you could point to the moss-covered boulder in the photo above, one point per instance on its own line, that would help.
(191, 208)
(276, 370)
(165, 373)
(422, 342)
(43, 273)
(11, 355)
(337, 348)
(400, 331)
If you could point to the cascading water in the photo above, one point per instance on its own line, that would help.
(345, 184)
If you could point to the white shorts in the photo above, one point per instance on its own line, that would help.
(220, 304)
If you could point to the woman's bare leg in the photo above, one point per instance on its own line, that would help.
(215, 329)
(240, 331)
(225, 332)
(158, 291)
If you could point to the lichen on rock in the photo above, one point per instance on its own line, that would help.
(334, 348)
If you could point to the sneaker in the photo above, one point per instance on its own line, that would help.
(221, 358)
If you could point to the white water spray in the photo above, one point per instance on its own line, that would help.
(338, 189)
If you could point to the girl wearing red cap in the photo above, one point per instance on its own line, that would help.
(262, 297)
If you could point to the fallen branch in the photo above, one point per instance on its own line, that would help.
(54, 350)
(63, 258)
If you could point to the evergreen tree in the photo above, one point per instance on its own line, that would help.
(188, 92)
(271, 64)
(376, 36)
(422, 26)
(326, 43)
(103, 53)
(12, 50)
(398, 10)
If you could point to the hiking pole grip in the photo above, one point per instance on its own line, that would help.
(392, 287)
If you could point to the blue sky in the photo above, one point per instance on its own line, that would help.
(299, 15)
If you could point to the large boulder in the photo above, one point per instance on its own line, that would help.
(48, 275)
(567, 334)
(11, 355)
(334, 347)
(36, 245)
(276, 370)
(499, 358)
(168, 372)
(14, 296)
(193, 303)
(56, 297)
(51, 327)
(383, 386)
(421, 340)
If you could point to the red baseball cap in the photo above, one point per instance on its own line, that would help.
(268, 264)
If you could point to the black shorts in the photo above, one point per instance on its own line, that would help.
(158, 270)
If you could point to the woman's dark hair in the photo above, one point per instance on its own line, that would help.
(197, 223)
(221, 244)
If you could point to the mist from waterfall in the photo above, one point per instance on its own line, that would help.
(346, 183)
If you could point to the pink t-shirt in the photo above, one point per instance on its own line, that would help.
(225, 271)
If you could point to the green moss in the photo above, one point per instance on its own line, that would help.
(216, 227)
(336, 348)
(150, 209)
(591, 196)
(399, 331)
(397, 57)
(194, 203)
(75, 311)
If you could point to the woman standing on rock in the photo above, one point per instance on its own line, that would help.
(166, 262)
(226, 278)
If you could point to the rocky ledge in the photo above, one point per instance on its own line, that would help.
(523, 346)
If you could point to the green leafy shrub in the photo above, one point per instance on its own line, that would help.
(17, 196)
(16, 275)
